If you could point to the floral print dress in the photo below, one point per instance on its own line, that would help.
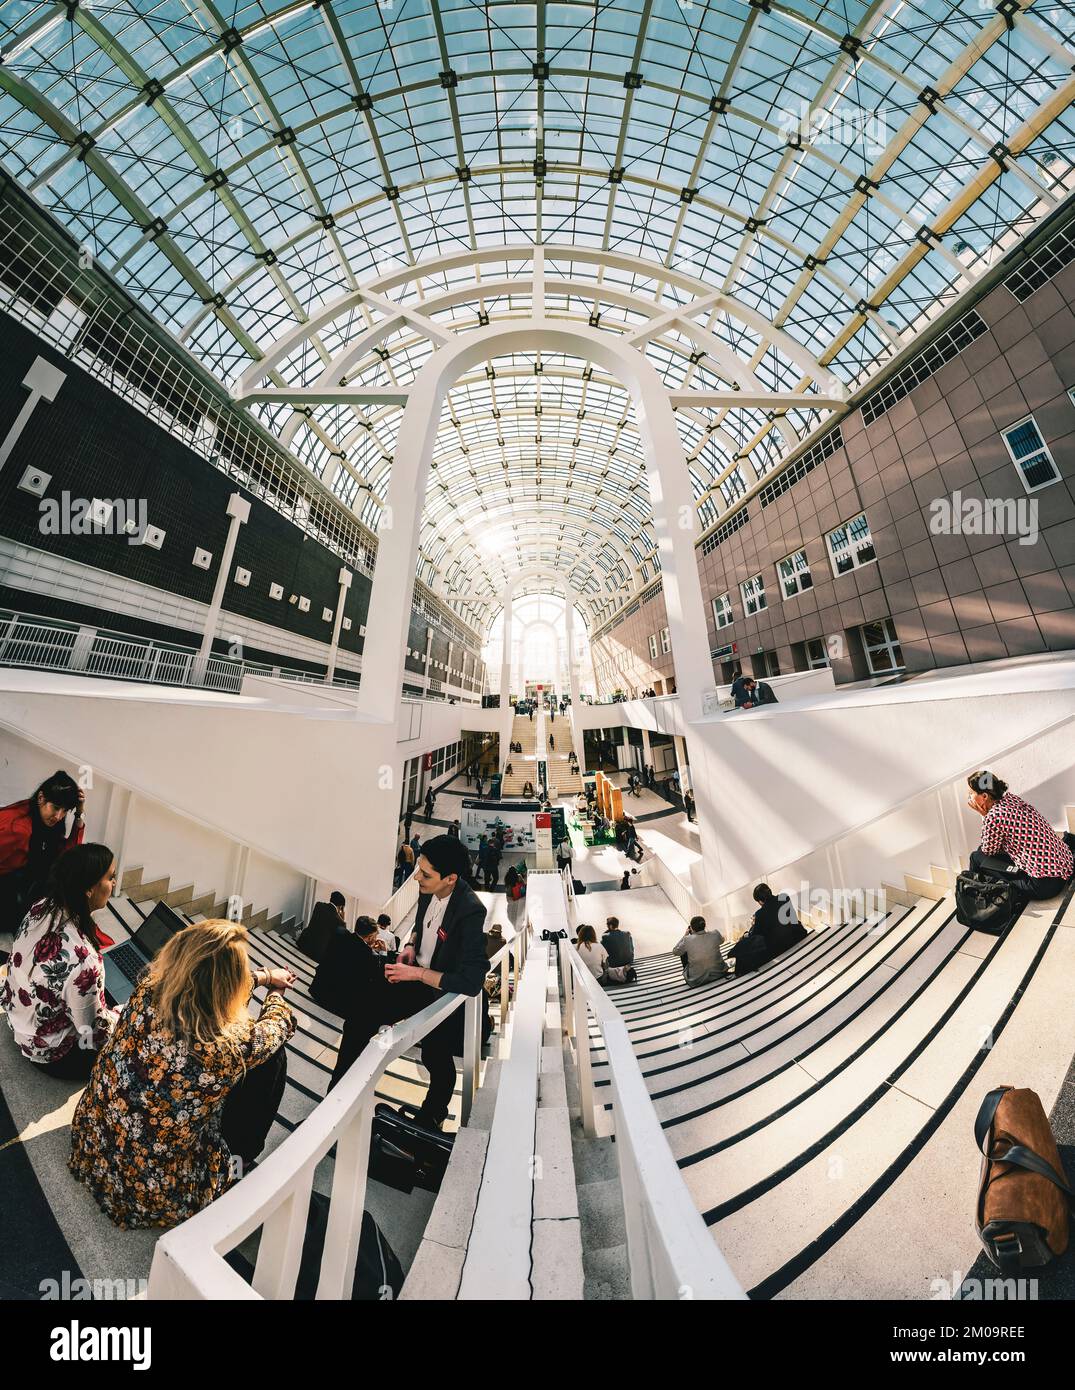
(145, 1138)
(54, 992)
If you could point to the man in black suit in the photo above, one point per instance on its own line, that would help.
(350, 969)
(324, 922)
(445, 954)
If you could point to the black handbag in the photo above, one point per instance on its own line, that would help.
(989, 904)
(405, 1155)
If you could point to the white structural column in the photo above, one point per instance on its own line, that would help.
(448, 673)
(505, 658)
(647, 751)
(239, 511)
(506, 715)
(345, 579)
(674, 519)
(425, 660)
(573, 675)
(682, 765)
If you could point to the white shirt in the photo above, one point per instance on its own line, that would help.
(595, 958)
(433, 918)
(390, 942)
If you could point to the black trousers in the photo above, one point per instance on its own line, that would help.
(390, 1004)
(1002, 863)
(252, 1105)
(75, 1065)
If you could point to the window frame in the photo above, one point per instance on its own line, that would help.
(852, 547)
(757, 580)
(666, 641)
(724, 616)
(891, 642)
(797, 578)
(653, 646)
(1035, 455)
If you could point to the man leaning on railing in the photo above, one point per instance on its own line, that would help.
(445, 954)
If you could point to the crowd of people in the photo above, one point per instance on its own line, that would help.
(182, 1083)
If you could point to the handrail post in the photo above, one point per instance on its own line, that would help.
(347, 1204)
(582, 1061)
(569, 994)
(471, 1054)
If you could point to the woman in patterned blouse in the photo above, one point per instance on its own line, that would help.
(187, 1089)
(54, 992)
(1017, 839)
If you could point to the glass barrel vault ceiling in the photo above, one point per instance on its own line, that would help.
(842, 171)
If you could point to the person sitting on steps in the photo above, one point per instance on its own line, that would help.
(186, 1090)
(774, 929)
(1017, 839)
(699, 950)
(444, 955)
(54, 991)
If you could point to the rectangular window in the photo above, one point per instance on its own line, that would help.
(851, 545)
(666, 641)
(882, 646)
(1030, 455)
(653, 644)
(722, 611)
(753, 592)
(817, 656)
(794, 575)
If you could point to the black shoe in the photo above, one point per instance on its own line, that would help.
(427, 1120)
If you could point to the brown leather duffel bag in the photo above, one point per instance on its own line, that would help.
(1023, 1195)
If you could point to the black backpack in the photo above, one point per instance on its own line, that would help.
(989, 904)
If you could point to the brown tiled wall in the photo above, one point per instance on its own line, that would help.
(622, 658)
(954, 598)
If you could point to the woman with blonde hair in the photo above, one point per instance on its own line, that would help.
(188, 1084)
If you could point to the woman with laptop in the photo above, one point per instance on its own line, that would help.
(54, 992)
(184, 1095)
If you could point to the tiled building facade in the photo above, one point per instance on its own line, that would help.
(966, 483)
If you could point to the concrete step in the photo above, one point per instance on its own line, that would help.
(130, 878)
(144, 892)
(1069, 811)
(898, 895)
(945, 877)
(180, 897)
(924, 887)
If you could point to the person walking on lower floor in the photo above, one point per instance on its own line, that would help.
(1017, 839)
(699, 950)
(188, 1083)
(444, 955)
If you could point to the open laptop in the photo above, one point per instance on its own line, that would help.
(124, 963)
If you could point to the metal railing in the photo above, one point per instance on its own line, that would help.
(189, 1262)
(670, 1251)
(45, 645)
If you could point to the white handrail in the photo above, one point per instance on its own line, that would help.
(670, 1252)
(189, 1263)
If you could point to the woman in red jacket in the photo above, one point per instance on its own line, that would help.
(33, 834)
